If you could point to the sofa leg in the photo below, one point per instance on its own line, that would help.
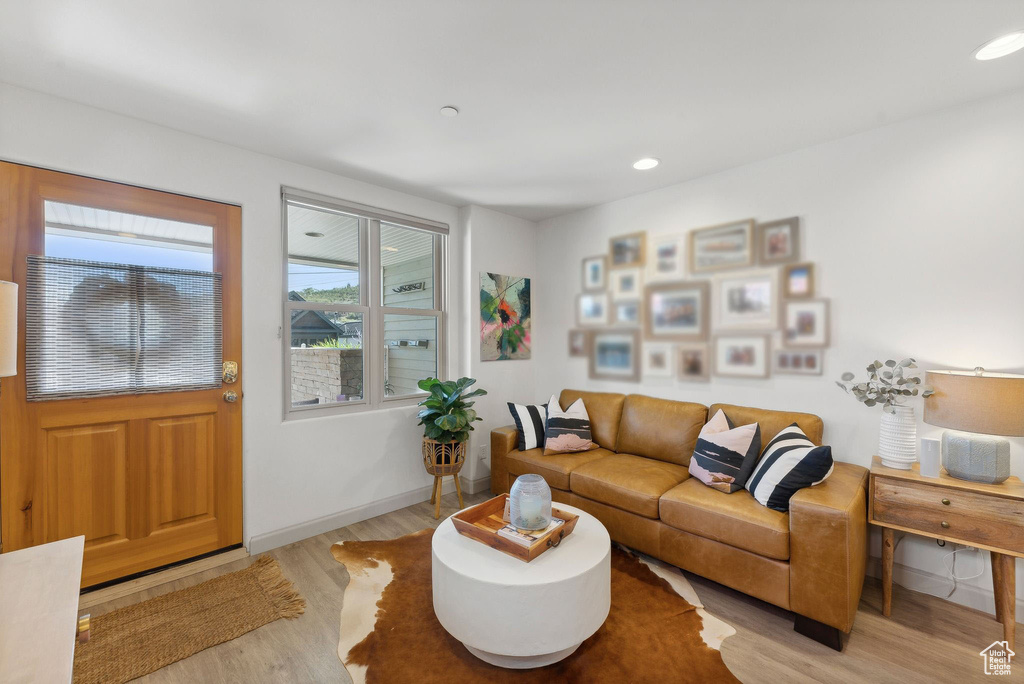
(822, 633)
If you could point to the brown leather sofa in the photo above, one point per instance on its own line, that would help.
(810, 561)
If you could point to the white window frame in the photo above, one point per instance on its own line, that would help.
(371, 302)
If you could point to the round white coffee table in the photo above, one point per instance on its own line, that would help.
(515, 614)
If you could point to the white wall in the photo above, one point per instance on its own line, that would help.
(917, 231)
(496, 243)
(298, 473)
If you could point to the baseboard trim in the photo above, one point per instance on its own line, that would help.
(475, 486)
(925, 582)
(287, 535)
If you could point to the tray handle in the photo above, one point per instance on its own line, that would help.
(554, 544)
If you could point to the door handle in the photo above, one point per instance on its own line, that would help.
(231, 396)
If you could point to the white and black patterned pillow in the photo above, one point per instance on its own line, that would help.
(530, 420)
(725, 455)
(789, 463)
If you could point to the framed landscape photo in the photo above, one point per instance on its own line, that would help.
(807, 323)
(694, 364)
(798, 281)
(666, 258)
(626, 284)
(626, 314)
(657, 360)
(595, 273)
(578, 342)
(778, 242)
(742, 356)
(627, 251)
(729, 245)
(746, 301)
(615, 355)
(592, 309)
(676, 312)
(797, 361)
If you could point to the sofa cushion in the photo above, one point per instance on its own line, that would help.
(735, 519)
(632, 483)
(567, 430)
(554, 469)
(604, 409)
(725, 455)
(772, 422)
(662, 429)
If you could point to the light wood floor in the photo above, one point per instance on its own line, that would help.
(926, 639)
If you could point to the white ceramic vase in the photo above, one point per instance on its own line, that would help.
(897, 438)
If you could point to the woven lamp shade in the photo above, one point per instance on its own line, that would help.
(8, 329)
(986, 403)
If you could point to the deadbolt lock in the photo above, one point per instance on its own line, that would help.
(230, 372)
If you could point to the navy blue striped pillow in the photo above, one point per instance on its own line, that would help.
(789, 463)
(530, 420)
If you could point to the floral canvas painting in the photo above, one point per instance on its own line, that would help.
(504, 317)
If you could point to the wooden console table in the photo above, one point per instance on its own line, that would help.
(985, 516)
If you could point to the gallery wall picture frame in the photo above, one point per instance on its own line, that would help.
(742, 355)
(594, 273)
(721, 247)
(627, 314)
(627, 251)
(798, 281)
(806, 323)
(693, 363)
(778, 242)
(666, 257)
(676, 312)
(658, 360)
(592, 309)
(746, 300)
(579, 343)
(797, 361)
(615, 355)
(626, 283)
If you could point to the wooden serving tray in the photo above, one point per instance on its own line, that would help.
(482, 522)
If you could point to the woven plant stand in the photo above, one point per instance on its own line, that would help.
(440, 460)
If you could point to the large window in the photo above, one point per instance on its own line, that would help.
(364, 304)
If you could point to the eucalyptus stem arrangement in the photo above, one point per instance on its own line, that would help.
(890, 384)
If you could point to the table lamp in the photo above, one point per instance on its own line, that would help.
(977, 406)
(8, 329)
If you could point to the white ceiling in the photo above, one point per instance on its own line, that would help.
(558, 97)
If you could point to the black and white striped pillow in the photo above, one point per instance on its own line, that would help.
(530, 420)
(789, 463)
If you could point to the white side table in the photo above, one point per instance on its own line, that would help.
(521, 615)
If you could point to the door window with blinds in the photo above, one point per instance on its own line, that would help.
(121, 304)
(363, 304)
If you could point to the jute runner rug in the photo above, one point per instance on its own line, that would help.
(136, 640)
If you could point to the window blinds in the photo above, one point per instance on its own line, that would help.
(95, 329)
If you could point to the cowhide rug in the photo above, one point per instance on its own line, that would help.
(656, 631)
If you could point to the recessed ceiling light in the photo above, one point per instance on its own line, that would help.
(646, 163)
(1000, 47)
(449, 111)
(314, 234)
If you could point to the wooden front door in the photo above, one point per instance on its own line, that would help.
(148, 478)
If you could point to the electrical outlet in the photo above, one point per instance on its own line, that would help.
(482, 453)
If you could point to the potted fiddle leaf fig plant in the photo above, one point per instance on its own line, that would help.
(891, 385)
(447, 418)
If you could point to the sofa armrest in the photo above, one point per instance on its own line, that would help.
(828, 553)
(503, 440)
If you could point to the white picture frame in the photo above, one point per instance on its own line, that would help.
(806, 323)
(747, 300)
(658, 360)
(626, 283)
(592, 309)
(798, 361)
(627, 314)
(742, 356)
(666, 258)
